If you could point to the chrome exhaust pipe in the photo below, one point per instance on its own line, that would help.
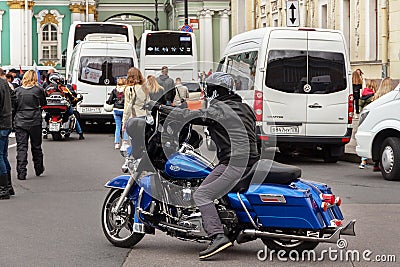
(253, 234)
(349, 229)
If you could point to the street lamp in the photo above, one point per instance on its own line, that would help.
(156, 18)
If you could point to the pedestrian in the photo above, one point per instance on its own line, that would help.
(357, 81)
(168, 84)
(117, 98)
(209, 73)
(366, 98)
(9, 79)
(29, 98)
(181, 94)
(16, 81)
(135, 96)
(6, 188)
(384, 88)
(154, 89)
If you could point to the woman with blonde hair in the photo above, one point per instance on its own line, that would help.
(29, 98)
(135, 96)
(384, 88)
(357, 82)
(154, 90)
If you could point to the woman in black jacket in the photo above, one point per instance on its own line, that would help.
(29, 98)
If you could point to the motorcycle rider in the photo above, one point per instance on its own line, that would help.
(57, 85)
(232, 127)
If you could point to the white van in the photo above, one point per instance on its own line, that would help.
(378, 134)
(299, 83)
(95, 66)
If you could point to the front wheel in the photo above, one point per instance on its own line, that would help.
(118, 228)
(390, 159)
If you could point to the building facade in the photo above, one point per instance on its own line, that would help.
(37, 31)
(370, 28)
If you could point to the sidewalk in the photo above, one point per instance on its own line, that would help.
(350, 154)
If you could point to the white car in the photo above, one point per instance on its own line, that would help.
(378, 135)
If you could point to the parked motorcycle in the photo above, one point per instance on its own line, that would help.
(56, 118)
(283, 210)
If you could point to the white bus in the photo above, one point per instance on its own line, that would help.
(175, 49)
(79, 30)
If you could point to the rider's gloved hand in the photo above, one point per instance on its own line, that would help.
(151, 104)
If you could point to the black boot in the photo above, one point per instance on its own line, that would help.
(218, 244)
(39, 170)
(81, 137)
(4, 193)
(10, 187)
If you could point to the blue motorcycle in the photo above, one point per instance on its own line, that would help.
(271, 202)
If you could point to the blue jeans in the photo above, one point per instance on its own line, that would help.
(4, 163)
(118, 114)
(77, 125)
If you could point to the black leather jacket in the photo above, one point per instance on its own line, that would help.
(27, 105)
(232, 127)
(5, 106)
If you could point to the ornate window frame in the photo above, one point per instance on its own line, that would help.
(51, 18)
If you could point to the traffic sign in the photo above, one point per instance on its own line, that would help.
(187, 28)
(292, 13)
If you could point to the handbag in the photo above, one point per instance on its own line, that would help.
(183, 104)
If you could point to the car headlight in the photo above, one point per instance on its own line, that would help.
(363, 116)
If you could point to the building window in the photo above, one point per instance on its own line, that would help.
(371, 35)
(324, 16)
(49, 42)
(49, 30)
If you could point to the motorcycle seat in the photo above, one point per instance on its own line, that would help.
(268, 172)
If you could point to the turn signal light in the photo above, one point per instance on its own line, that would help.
(329, 198)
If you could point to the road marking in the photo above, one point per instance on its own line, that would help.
(13, 145)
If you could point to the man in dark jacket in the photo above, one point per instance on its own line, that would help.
(168, 84)
(5, 130)
(232, 127)
(28, 125)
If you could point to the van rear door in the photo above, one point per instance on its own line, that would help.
(285, 77)
(327, 100)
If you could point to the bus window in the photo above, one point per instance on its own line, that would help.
(82, 30)
(170, 43)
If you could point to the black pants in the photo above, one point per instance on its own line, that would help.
(356, 96)
(22, 136)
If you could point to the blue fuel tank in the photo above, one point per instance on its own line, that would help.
(186, 167)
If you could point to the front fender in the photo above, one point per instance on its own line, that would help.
(118, 182)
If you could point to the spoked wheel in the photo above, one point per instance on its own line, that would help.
(118, 228)
(289, 245)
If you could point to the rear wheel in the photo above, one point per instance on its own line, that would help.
(289, 245)
(56, 136)
(390, 159)
(327, 155)
(118, 228)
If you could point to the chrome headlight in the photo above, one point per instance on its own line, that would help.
(363, 116)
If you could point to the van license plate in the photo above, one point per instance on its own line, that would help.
(91, 110)
(54, 127)
(284, 129)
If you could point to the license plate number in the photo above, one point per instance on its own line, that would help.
(284, 129)
(54, 127)
(91, 110)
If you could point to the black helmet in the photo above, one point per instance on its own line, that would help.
(219, 84)
(55, 78)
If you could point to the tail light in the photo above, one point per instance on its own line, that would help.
(350, 109)
(324, 206)
(338, 201)
(337, 223)
(328, 198)
(74, 87)
(258, 105)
